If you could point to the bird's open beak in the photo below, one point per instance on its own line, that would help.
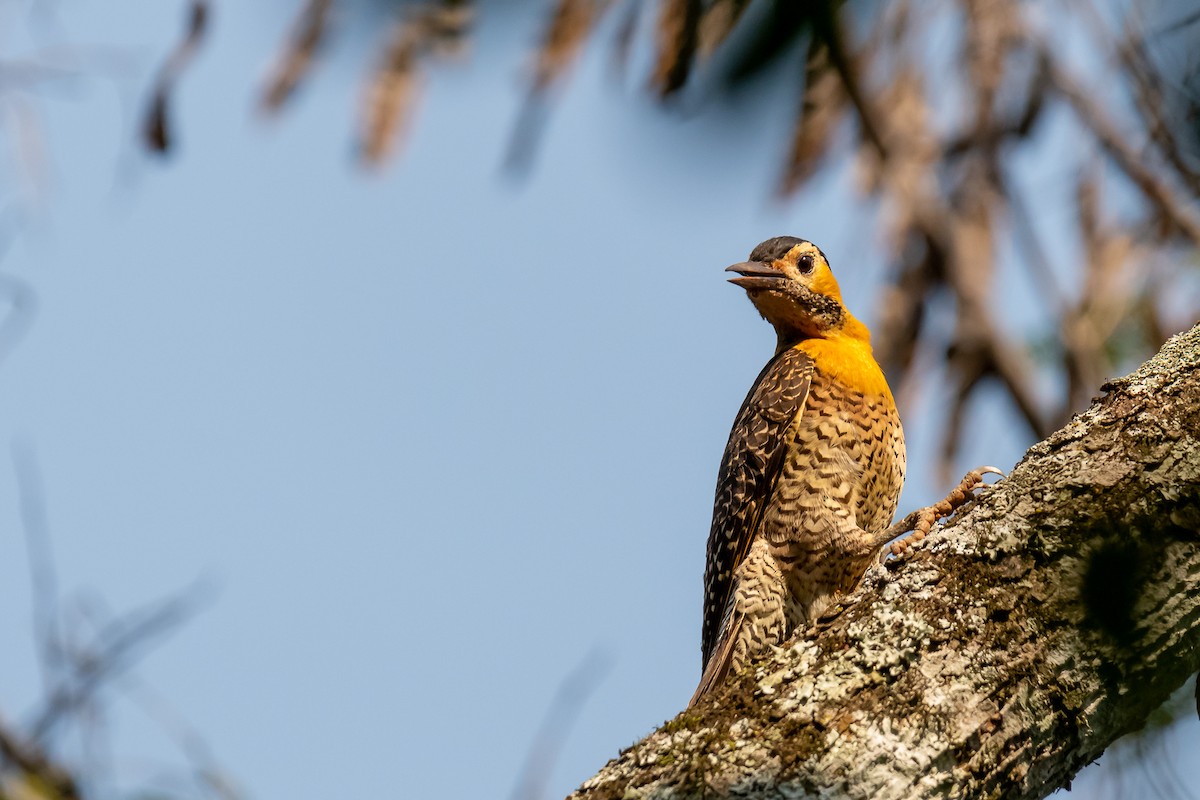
(756, 275)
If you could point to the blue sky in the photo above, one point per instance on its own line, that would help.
(428, 438)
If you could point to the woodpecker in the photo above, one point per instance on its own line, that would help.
(812, 472)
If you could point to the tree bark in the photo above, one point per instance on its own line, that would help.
(1007, 652)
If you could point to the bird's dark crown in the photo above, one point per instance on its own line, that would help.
(776, 248)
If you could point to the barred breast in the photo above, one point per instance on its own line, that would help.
(840, 483)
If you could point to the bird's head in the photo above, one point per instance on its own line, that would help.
(791, 285)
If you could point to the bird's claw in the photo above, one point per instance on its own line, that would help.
(922, 521)
(963, 492)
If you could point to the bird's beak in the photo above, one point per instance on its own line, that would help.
(756, 275)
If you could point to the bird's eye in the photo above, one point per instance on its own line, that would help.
(805, 264)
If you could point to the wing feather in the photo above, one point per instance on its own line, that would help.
(749, 468)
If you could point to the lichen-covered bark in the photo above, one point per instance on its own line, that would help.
(1009, 651)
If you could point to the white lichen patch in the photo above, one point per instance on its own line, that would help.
(906, 632)
(890, 592)
(740, 729)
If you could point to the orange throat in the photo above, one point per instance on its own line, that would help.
(848, 360)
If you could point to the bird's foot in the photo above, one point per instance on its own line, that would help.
(922, 520)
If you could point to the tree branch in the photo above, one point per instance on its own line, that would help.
(1172, 204)
(1049, 619)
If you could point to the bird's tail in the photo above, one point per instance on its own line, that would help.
(721, 659)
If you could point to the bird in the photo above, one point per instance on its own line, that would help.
(812, 472)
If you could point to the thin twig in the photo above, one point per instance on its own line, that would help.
(564, 708)
(43, 575)
(116, 648)
(299, 53)
(156, 127)
(1170, 204)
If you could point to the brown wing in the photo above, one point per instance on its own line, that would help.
(749, 468)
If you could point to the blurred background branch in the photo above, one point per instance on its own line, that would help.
(84, 650)
(939, 101)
